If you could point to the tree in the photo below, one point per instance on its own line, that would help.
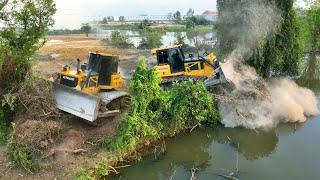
(86, 28)
(190, 23)
(177, 17)
(23, 29)
(277, 52)
(311, 41)
(104, 20)
(190, 13)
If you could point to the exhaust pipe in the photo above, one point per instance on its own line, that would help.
(78, 66)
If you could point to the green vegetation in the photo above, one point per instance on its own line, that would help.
(64, 31)
(156, 113)
(86, 29)
(101, 171)
(278, 54)
(118, 40)
(150, 39)
(180, 39)
(23, 156)
(177, 17)
(24, 24)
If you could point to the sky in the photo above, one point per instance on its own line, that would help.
(71, 13)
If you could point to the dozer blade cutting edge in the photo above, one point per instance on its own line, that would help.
(86, 106)
(216, 78)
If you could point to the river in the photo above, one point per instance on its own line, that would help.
(290, 151)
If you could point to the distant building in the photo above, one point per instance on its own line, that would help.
(210, 15)
(110, 18)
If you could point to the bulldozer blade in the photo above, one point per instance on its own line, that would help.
(75, 102)
(216, 78)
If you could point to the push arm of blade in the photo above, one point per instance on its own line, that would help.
(86, 81)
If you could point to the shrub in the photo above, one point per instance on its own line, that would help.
(191, 104)
(180, 39)
(150, 39)
(119, 40)
(4, 127)
(23, 156)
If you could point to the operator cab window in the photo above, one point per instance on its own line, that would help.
(162, 57)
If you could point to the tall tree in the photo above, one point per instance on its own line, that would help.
(190, 13)
(177, 17)
(86, 28)
(24, 24)
(278, 53)
(311, 41)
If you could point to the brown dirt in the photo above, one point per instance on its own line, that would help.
(63, 50)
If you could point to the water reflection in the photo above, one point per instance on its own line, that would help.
(208, 149)
(253, 145)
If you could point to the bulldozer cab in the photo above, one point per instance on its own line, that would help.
(103, 66)
(172, 56)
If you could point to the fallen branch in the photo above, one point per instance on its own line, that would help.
(194, 127)
(227, 177)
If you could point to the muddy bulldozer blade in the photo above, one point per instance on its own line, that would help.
(216, 78)
(75, 102)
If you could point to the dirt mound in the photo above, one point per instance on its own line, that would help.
(38, 134)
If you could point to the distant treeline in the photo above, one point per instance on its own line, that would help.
(64, 31)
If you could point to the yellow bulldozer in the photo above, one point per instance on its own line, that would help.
(173, 66)
(92, 90)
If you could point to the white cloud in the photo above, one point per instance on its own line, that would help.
(72, 13)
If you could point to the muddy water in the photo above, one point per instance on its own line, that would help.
(288, 152)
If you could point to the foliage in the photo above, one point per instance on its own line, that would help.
(86, 29)
(278, 54)
(177, 17)
(195, 106)
(145, 24)
(87, 174)
(24, 24)
(180, 39)
(150, 39)
(310, 40)
(23, 156)
(155, 112)
(118, 40)
(100, 171)
(5, 126)
(190, 23)
(64, 31)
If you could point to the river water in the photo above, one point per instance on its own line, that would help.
(290, 151)
(167, 39)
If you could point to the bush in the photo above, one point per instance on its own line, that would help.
(155, 112)
(180, 39)
(4, 127)
(150, 39)
(191, 104)
(119, 40)
(23, 156)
